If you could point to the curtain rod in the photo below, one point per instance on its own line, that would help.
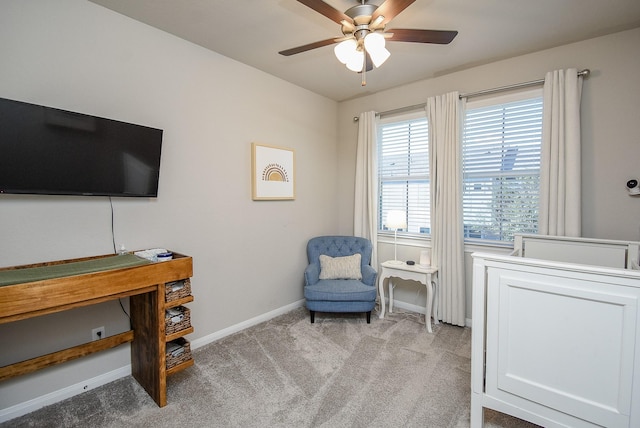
(583, 73)
(395, 111)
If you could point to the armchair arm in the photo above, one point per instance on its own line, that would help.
(369, 275)
(312, 274)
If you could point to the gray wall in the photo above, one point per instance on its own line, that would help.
(248, 255)
(610, 132)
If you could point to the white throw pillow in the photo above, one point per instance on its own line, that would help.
(347, 267)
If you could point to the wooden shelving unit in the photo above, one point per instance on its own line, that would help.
(144, 284)
(178, 334)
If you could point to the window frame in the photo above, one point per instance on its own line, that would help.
(391, 119)
(487, 101)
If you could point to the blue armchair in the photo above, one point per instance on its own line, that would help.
(339, 277)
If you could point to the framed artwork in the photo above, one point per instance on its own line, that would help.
(272, 173)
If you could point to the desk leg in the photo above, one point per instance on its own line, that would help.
(147, 349)
(427, 315)
(381, 292)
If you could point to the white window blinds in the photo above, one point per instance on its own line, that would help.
(501, 168)
(403, 162)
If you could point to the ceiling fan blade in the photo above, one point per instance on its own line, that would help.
(326, 10)
(440, 37)
(389, 9)
(304, 48)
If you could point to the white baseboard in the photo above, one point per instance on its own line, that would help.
(245, 324)
(407, 306)
(62, 394)
(419, 309)
(89, 384)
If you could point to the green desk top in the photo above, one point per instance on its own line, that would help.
(19, 276)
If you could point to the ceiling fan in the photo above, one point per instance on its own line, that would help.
(362, 44)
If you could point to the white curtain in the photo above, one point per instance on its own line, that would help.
(560, 201)
(365, 215)
(445, 169)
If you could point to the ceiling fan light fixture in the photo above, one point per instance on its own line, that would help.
(374, 43)
(378, 57)
(345, 50)
(356, 62)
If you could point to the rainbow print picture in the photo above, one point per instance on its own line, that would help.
(272, 170)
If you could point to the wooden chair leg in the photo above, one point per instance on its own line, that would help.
(369, 317)
(312, 314)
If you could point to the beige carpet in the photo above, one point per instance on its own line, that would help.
(287, 372)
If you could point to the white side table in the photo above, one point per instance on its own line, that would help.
(427, 276)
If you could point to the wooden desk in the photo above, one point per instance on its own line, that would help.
(424, 275)
(144, 284)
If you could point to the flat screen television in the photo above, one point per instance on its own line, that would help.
(49, 151)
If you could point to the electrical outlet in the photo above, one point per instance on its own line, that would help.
(97, 333)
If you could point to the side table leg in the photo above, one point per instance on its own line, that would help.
(381, 292)
(391, 287)
(435, 302)
(427, 315)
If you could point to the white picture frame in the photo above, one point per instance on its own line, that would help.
(272, 172)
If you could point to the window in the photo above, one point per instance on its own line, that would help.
(501, 166)
(403, 171)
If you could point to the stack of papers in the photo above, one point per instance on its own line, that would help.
(151, 254)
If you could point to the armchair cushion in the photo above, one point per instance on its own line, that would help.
(340, 290)
(346, 267)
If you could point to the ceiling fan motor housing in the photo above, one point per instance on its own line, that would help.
(361, 16)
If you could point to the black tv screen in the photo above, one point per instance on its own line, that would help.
(50, 151)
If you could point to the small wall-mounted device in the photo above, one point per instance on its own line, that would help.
(633, 187)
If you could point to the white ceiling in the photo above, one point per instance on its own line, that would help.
(254, 31)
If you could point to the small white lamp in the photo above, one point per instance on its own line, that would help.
(396, 220)
(425, 258)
